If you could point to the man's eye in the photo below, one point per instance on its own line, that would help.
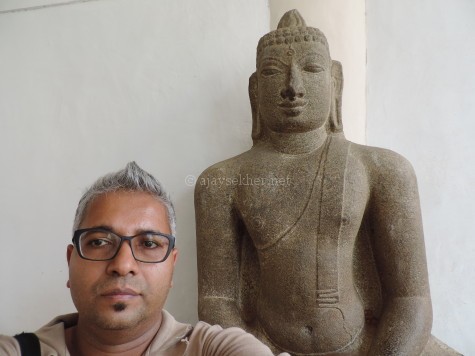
(150, 244)
(313, 68)
(267, 72)
(99, 243)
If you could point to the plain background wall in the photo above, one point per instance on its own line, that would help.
(87, 87)
(421, 85)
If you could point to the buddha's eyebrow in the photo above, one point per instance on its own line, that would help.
(314, 55)
(273, 59)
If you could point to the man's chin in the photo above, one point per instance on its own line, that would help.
(118, 307)
(120, 316)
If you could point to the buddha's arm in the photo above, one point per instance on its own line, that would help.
(218, 251)
(398, 244)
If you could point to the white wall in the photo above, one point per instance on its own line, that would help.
(27, 5)
(343, 23)
(421, 85)
(87, 87)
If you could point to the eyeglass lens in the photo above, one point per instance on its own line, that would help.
(103, 245)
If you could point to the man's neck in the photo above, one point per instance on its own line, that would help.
(83, 340)
(298, 142)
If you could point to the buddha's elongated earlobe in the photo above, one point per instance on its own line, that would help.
(256, 121)
(336, 124)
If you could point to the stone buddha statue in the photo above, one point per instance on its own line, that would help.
(309, 241)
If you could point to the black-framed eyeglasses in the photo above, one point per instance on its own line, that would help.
(100, 244)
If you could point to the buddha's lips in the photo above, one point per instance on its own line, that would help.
(293, 104)
(293, 108)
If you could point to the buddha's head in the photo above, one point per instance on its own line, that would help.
(296, 86)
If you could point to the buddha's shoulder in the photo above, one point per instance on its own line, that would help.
(227, 168)
(218, 181)
(382, 161)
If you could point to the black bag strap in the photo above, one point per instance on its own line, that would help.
(29, 344)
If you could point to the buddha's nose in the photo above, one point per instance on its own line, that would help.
(294, 85)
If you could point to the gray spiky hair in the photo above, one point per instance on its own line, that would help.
(131, 178)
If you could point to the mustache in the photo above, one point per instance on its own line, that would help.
(118, 283)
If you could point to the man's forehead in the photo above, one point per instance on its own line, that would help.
(125, 205)
(125, 199)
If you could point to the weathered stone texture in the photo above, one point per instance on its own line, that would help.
(311, 242)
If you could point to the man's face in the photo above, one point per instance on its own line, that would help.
(294, 86)
(121, 293)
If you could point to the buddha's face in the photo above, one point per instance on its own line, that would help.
(294, 86)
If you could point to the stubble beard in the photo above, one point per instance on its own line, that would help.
(119, 317)
(118, 307)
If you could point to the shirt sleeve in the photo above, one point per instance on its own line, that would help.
(207, 340)
(9, 346)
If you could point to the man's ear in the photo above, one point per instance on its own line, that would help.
(174, 255)
(336, 123)
(256, 122)
(69, 252)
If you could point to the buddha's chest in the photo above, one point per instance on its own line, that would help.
(307, 196)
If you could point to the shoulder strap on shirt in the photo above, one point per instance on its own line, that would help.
(29, 344)
(186, 337)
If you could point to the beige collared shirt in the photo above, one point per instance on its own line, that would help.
(171, 340)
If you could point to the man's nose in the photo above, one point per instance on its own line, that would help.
(124, 262)
(294, 85)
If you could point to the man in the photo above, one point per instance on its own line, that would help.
(311, 242)
(121, 265)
